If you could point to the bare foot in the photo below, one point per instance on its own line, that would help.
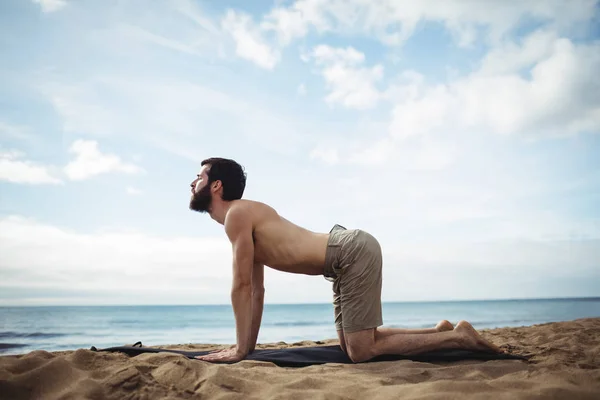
(473, 340)
(443, 326)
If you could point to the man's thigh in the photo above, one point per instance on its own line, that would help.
(359, 294)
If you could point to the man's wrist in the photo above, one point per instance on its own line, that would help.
(240, 351)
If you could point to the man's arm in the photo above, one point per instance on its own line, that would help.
(238, 227)
(258, 299)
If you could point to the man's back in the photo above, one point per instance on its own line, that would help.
(281, 244)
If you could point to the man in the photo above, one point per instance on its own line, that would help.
(351, 259)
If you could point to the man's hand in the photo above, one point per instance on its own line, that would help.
(232, 354)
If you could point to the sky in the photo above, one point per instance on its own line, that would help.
(464, 135)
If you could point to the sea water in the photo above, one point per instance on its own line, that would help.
(51, 328)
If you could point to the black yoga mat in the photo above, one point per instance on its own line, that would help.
(305, 356)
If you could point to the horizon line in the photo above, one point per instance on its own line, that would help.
(303, 304)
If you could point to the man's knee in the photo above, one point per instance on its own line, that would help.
(359, 353)
(340, 333)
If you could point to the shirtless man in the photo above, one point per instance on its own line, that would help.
(351, 259)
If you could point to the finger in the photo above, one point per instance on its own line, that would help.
(205, 358)
(221, 357)
(220, 350)
(211, 357)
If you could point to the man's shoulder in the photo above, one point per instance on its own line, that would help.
(247, 209)
(238, 209)
(246, 205)
(246, 216)
(238, 219)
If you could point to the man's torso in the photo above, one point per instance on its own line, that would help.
(283, 245)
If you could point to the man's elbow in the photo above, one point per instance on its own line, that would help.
(241, 288)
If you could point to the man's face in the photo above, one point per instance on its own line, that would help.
(201, 195)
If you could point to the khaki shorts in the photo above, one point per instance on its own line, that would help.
(353, 263)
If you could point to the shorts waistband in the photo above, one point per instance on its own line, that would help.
(331, 255)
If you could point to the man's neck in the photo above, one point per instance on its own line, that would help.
(218, 210)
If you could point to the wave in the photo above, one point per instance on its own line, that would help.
(6, 346)
(4, 335)
(512, 322)
(297, 323)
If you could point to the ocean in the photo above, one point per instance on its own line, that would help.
(52, 328)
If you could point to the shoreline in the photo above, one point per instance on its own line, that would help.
(268, 345)
(564, 362)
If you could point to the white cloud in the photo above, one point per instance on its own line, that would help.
(393, 21)
(350, 84)
(89, 162)
(301, 89)
(12, 131)
(136, 107)
(179, 25)
(249, 42)
(422, 113)
(49, 257)
(328, 155)
(81, 109)
(133, 191)
(138, 33)
(129, 267)
(291, 23)
(503, 269)
(49, 6)
(446, 188)
(324, 54)
(15, 170)
(370, 152)
(519, 89)
(373, 148)
(511, 57)
(499, 99)
(191, 10)
(534, 256)
(125, 267)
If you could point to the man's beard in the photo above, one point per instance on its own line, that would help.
(200, 201)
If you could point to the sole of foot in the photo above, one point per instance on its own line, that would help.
(474, 340)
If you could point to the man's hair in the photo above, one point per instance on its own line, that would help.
(230, 173)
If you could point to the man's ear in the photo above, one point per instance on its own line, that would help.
(216, 185)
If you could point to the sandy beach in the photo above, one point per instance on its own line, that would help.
(564, 363)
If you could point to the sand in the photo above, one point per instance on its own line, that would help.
(564, 364)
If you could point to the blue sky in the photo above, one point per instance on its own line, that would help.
(464, 136)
